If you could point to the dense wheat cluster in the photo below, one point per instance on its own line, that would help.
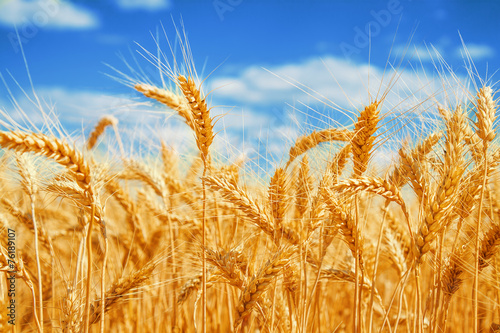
(142, 245)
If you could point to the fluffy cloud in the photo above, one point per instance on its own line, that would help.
(46, 13)
(329, 83)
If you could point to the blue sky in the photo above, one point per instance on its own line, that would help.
(321, 44)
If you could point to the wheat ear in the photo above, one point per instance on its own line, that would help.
(253, 211)
(121, 288)
(362, 143)
(409, 162)
(486, 108)
(452, 278)
(375, 185)
(489, 246)
(441, 204)
(346, 224)
(50, 147)
(259, 284)
(277, 197)
(99, 129)
(202, 123)
(339, 162)
(168, 98)
(229, 266)
(304, 188)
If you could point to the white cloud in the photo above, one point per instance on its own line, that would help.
(257, 86)
(46, 14)
(476, 51)
(331, 81)
(144, 4)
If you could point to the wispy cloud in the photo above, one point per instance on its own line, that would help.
(420, 53)
(476, 51)
(46, 14)
(445, 49)
(74, 108)
(144, 4)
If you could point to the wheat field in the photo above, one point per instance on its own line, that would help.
(330, 241)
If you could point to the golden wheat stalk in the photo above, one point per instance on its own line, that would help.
(228, 265)
(452, 278)
(203, 128)
(17, 268)
(73, 160)
(339, 161)
(442, 203)
(28, 174)
(202, 123)
(489, 246)
(486, 108)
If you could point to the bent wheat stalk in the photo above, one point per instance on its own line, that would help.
(203, 128)
(61, 152)
(375, 185)
(486, 108)
(307, 142)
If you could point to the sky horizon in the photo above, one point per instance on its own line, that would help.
(257, 55)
